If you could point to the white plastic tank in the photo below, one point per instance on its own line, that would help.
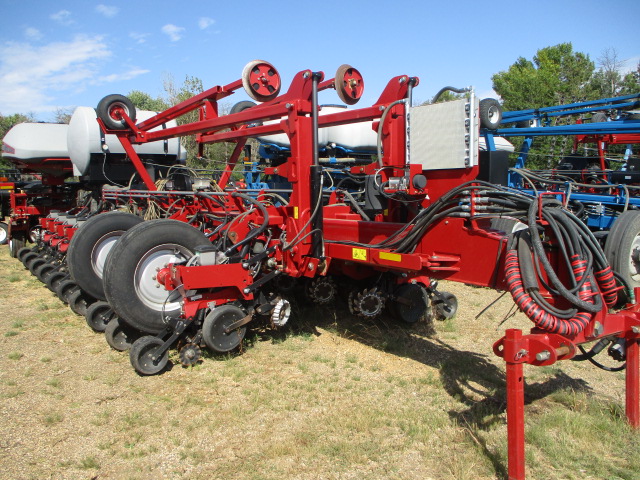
(84, 141)
(34, 142)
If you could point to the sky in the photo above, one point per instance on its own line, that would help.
(62, 54)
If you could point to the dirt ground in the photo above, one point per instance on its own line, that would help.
(330, 399)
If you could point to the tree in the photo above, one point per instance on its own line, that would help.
(557, 75)
(63, 115)
(144, 101)
(631, 82)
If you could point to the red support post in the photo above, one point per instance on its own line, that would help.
(633, 383)
(513, 355)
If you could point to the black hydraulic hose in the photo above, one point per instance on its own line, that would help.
(553, 277)
(255, 232)
(599, 365)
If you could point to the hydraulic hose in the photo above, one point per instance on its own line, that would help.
(255, 232)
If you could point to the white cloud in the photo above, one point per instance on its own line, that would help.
(205, 22)
(133, 72)
(174, 32)
(32, 33)
(139, 37)
(63, 17)
(108, 11)
(30, 75)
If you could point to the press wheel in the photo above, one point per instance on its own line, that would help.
(261, 80)
(349, 84)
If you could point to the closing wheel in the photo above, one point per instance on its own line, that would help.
(144, 358)
(622, 247)
(261, 80)
(20, 254)
(43, 270)
(35, 263)
(98, 315)
(78, 301)
(490, 113)
(111, 110)
(445, 305)
(52, 280)
(63, 288)
(27, 257)
(411, 303)
(119, 335)
(90, 246)
(215, 325)
(4, 233)
(349, 84)
(130, 278)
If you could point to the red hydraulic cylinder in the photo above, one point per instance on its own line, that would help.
(513, 354)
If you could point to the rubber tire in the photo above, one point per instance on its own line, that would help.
(618, 247)
(4, 233)
(78, 301)
(140, 352)
(54, 279)
(242, 106)
(27, 257)
(42, 271)
(16, 243)
(63, 288)
(98, 315)
(119, 335)
(103, 111)
(122, 264)
(599, 117)
(22, 252)
(81, 248)
(233, 314)
(490, 113)
(35, 263)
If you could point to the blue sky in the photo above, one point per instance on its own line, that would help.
(61, 54)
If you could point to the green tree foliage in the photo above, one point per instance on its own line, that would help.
(144, 101)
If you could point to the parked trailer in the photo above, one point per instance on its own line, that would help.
(428, 216)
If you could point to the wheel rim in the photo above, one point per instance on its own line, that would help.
(634, 260)
(35, 234)
(148, 290)
(145, 360)
(3, 235)
(492, 113)
(101, 250)
(117, 110)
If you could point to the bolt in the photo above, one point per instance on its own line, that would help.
(246, 290)
(310, 266)
(153, 277)
(543, 355)
(306, 74)
(597, 329)
(403, 79)
(245, 266)
(635, 329)
(157, 285)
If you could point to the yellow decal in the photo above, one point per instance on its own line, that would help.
(295, 212)
(359, 254)
(394, 257)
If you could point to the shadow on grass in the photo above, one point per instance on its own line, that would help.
(469, 377)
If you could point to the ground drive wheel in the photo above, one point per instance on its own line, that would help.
(130, 282)
(90, 246)
(144, 358)
(112, 107)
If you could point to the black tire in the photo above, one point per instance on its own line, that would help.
(215, 324)
(599, 117)
(241, 106)
(119, 335)
(63, 288)
(42, 271)
(108, 105)
(78, 301)
(35, 263)
(90, 246)
(16, 243)
(141, 354)
(27, 257)
(129, 273)
(4, 233)
(54, 279)
(22, 252)
(98, 315)
(623, 247)
(490, 113)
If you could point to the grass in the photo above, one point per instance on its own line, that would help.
(329, 396)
